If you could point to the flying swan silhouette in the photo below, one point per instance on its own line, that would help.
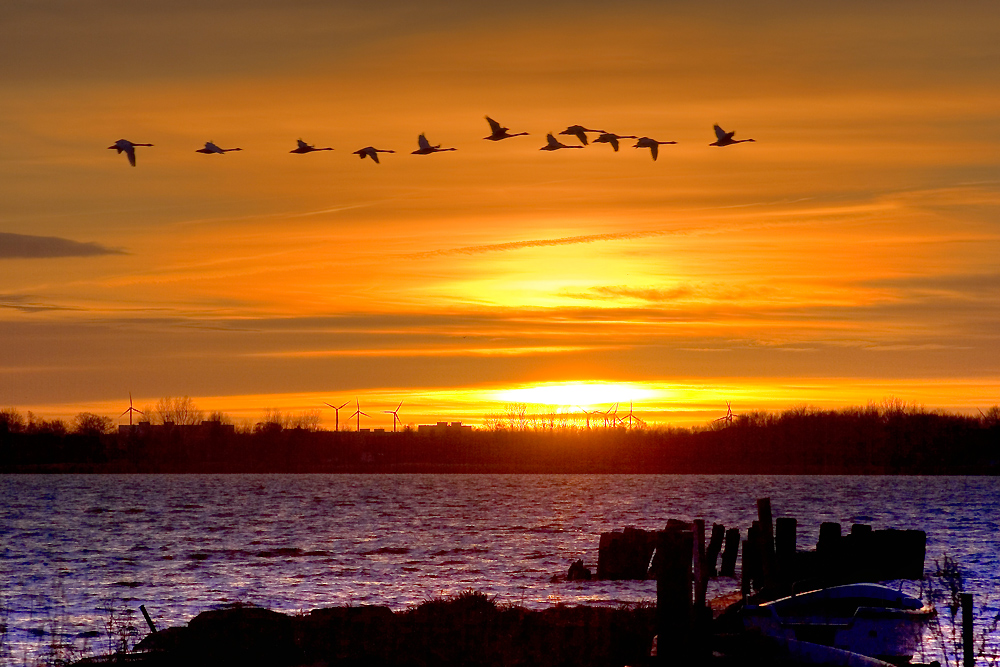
(426, 148)
(499, 132)
(580, 132)
(652, 144)
(127, 147)
(724, 138)
(372, 152)
(212, 148)
(612, 138)
(554, 144)
(303, 148)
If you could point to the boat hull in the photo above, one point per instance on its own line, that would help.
(867, 619)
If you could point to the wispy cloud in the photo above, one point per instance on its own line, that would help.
(24, 246)
(27, 303)
(666, 295)
(540, 243)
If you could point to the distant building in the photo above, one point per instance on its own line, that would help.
(140, 428)
(443, 428)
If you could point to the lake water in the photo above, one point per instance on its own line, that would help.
(72, 545)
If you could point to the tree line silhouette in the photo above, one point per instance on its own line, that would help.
(885, 438)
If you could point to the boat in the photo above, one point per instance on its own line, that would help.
(868, 619)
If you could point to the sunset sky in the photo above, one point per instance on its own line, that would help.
(851, 253)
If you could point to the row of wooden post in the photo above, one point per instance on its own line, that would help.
(683, 570)
(685, 565)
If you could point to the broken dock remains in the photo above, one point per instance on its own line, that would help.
(772, 566)
(771, 559)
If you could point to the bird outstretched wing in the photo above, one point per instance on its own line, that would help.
(424, 144)
(720, 134)
(495, 127)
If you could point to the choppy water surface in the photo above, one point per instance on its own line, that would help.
(181, 544)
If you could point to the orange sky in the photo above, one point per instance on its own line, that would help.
(848, 255)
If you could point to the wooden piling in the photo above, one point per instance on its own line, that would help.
(730, 553)
(714, 547)
(829, 537)
(673, 597)
(828, 547)
(766, 539)
(784, 547)
(751, 557)
(149, 621)
(745, 572)
(968, 645)
(700, 569)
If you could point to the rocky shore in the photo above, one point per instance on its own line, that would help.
(469, 630)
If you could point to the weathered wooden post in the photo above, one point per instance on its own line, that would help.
(751, 557)
(149, 621)
(968, 645)
(730, 553)
(766, 539)
(673, 597)
(784, 547)
(828, 549)
(700, 569)
(714, 547)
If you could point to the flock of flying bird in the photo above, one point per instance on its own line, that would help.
(497, 133)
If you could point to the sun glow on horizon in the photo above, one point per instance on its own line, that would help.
(577, 394)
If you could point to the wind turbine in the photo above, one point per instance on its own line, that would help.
(130, 410)
(395, 415)
(337, 413)
(630, 415)
(358, 414)
(608, 416)
(587, 414)
(729, 415)
(616, 421)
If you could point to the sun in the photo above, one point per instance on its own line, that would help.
(582, 394)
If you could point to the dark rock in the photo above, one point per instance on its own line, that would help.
(577, 572)
(244, 636)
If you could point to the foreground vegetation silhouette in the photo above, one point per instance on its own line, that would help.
(886, 438)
